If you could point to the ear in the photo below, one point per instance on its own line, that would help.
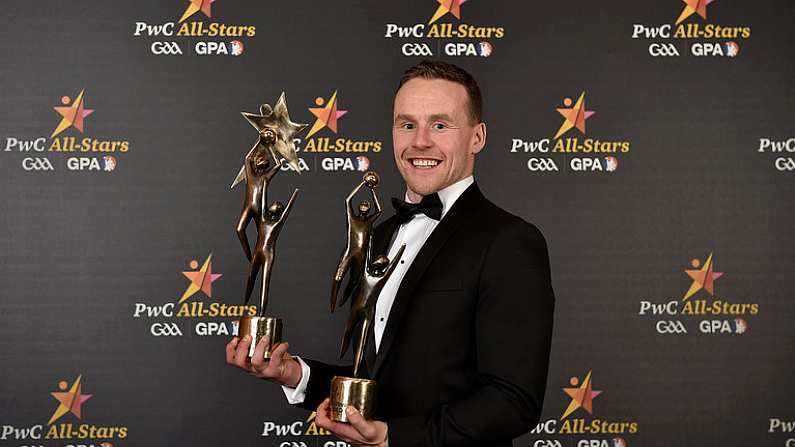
(478, 138)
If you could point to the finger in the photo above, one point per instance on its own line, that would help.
(322, 415)
(231, 347)
(342, 431)
(241, 355)
(258, 358)
(322, 410)
(365, 428)
(277, 356)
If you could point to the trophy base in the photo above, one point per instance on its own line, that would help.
(349, 391)
(258, 327)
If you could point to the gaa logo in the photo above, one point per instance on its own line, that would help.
(785, 164)
(671, 327)
(416, 49)
(37, 164)
(165, 329)
(541, 164)
(663, 49)
(165, 48)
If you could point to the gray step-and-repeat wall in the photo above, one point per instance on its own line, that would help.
(668, 209)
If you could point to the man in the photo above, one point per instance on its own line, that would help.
(462, 332)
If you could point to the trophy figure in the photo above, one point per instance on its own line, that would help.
(275, 138)
(360, 225)
(357, 391)
(366, 279)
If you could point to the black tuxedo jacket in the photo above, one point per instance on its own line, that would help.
(464, 355)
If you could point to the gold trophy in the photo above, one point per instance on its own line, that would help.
(276, 134)
(366, 279)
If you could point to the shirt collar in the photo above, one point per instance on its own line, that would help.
(450, 194)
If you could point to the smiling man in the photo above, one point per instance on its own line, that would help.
(462, 331)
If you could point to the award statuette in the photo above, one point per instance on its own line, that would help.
(275, 138)
(360, 226)
(356, 391)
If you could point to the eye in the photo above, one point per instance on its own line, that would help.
(439, 126)
(406, 126)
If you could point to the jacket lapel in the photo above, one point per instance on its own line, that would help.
(458, 214)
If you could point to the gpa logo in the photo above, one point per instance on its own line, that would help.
(483, 49)
(578, 418)
(109, 163)
(69, 139)
(568, 149)
(360, 163)
(105, 164)
(445, 31)
(172, 318)
(691, 30)
(699, 309)
(213, 48)
(172, 38)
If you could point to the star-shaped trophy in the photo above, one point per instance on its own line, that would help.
(276, 119)
(275, 142)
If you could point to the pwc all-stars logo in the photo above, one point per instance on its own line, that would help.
(699, 305)
(191, 312)
(570, 148)
(578, 417)
(446, 32)
(692, 32)
(325, 143)
(196, 32)
(68, 143)
(67, 421)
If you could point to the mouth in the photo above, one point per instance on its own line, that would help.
(424, 163)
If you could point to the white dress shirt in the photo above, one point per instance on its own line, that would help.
(413, 233)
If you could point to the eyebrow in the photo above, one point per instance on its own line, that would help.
(434, 117)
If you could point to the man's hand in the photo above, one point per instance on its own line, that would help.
(358, 432)
(282, 368)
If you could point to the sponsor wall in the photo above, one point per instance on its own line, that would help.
(651, 142)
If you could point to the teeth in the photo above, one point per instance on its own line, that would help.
(424, 162)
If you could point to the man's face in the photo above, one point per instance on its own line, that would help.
(434, 138)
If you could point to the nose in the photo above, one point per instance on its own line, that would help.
(422, 138)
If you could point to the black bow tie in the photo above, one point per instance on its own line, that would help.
(430, 205)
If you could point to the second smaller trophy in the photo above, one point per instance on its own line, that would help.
(367, 277)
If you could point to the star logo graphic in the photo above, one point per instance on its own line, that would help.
(71, 115)
(575, 116)
(581, 396)
(276, 118)
(195, 6)
(200, 280)
(703, 278)
(326, 116)
(694, 6)
(445, 6)
(70, 401)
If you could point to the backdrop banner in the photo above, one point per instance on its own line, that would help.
(651, 142)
